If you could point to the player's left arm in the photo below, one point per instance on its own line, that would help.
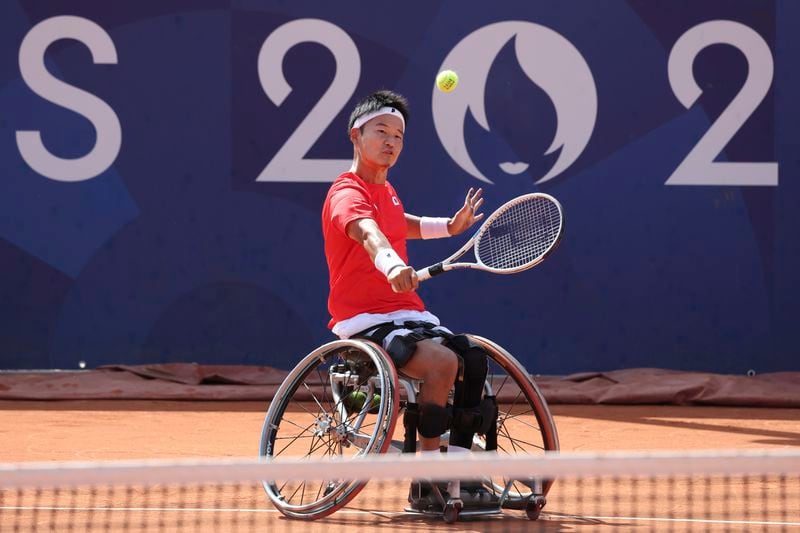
(412, 225)
(464, 218)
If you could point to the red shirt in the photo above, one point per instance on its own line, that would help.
(356, 286)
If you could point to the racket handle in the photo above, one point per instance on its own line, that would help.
(428, 272)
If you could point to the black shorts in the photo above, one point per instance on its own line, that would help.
(400, 340)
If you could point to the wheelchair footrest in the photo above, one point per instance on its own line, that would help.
(436, 502)
(466, 511)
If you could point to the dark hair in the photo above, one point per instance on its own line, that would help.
(375, 101)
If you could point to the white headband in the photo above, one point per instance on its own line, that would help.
(363, 119)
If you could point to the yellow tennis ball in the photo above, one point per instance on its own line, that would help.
(355, 401)
(446, 81)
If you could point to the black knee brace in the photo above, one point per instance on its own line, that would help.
(433, 420)
(475, 419)
(429, 419)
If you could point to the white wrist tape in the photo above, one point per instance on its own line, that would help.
(433, 228)
(386, 260)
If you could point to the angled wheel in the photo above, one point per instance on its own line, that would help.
(339, 401)
(524, 424)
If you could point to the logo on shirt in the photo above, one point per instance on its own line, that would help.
(395, 201)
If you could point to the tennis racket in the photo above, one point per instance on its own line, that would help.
(517, 236)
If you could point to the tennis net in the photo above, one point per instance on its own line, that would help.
(699, 491)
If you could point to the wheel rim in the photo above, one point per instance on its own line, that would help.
(318, 413)
(524, 423)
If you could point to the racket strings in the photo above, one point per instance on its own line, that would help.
(520, 235)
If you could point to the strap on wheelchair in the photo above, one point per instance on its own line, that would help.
(476, 419)
(481, 419)
(401, 347)
(410, 423)
(378, 333)
(491, 434)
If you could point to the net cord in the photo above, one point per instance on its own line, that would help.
(394, 466)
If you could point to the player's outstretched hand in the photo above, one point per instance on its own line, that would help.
(403, 279)
(468, 214)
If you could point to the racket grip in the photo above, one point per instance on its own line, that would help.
(428, 272)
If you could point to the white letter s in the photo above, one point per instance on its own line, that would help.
(44, 84)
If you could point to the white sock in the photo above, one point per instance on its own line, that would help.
(454, 486)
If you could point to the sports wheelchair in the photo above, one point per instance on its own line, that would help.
(344, 400)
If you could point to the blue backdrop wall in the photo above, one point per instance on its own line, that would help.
(163, 167)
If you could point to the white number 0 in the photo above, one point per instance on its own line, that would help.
(699, 167)
(290, 164)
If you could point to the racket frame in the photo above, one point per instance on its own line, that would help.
(448, 264)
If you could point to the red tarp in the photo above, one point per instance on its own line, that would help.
(184, 381)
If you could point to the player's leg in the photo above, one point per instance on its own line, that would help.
(437, 367)
(417, 350)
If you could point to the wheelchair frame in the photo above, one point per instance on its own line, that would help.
(343, 369)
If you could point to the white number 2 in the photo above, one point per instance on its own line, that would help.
(290, 164)
(699, 167)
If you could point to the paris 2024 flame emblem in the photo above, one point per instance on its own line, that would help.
(549, 61)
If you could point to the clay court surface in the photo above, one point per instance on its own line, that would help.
(90, 430)
(87, 430)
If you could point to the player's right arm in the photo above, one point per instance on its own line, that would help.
(366, 232)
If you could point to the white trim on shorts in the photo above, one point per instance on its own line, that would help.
(349, 327)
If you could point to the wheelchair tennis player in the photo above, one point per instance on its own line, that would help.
(372, 290)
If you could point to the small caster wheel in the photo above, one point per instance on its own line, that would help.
(451, 510)
(534, 507)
